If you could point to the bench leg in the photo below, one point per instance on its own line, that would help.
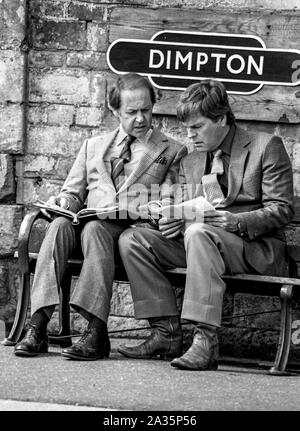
(283, 350)
(63, 338)
(21, 312)
(22, 309)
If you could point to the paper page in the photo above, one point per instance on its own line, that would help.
(90, 211)
(192, 210)
(108, 214)
(54, 208)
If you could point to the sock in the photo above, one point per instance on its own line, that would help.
(41, 317)
(96, 323)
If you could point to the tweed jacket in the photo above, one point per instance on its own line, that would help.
(89, 180)
(260, 189)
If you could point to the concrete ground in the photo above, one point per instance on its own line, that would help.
(51, 382)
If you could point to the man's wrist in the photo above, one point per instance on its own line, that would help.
(241, 227)
(66, 203)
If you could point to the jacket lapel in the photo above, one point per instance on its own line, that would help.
(194, 173)
(101, 150)
(155, 146)
(236, 169)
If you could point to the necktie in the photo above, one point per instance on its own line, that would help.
(211, 187)
(117, 163)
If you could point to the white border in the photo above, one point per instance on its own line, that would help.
(183, 88)
(151, 41)
(203, 33)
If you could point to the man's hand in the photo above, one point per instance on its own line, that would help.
(61, 202)
(223, 219)
(170, 228)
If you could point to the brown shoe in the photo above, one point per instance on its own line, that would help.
(91, 346)
(203, 353)
(165, 341)
(33, 343)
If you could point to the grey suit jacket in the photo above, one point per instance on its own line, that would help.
(89, 180)
(260, 189)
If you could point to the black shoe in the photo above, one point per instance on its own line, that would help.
(91, 346)
(33, 343)
(165, 341)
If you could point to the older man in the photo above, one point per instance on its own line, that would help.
(133, 158)
(247, 177)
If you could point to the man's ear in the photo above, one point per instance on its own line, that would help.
(116, 113)
(224, 121)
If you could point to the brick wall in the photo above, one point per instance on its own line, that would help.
(53, 84)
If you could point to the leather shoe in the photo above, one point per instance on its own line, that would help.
(203, 353)
(33, 343)
(91, 346)
(165, 341)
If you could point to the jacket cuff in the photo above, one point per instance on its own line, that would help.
(73, 201)
(242, 228)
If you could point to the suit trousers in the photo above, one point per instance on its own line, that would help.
(93, 290)
(206, 251)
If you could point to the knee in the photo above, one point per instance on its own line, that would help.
(201, 235)
(60, 224)
(126, 239)
(91, 228)
(130, 238)
(195, 229)
(198, 232)
(59, 232)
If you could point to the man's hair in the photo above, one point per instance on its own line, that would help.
(130, 81)
(208, 98)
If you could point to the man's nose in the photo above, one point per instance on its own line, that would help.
(139, 117)
(190, 133)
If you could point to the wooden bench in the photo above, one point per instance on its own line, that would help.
(286, 288)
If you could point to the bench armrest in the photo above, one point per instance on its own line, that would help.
(24, 235)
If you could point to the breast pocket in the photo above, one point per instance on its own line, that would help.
(157, 171)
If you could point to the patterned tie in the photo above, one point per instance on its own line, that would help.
(211, 187)
(117, 163)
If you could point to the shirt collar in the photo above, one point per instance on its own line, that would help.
(227, 141)
(122, 134)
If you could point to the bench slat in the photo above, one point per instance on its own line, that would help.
(182, 271)
(249, 277)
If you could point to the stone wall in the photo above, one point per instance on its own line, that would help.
(12, 84)
(53, 84)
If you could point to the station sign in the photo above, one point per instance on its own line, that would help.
(173, 60)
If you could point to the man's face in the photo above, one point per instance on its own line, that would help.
(205, 134)
(135, 112)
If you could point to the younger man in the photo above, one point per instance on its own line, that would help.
(250, 182)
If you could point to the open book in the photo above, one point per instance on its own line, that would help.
(101, 213)
(192, 210)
